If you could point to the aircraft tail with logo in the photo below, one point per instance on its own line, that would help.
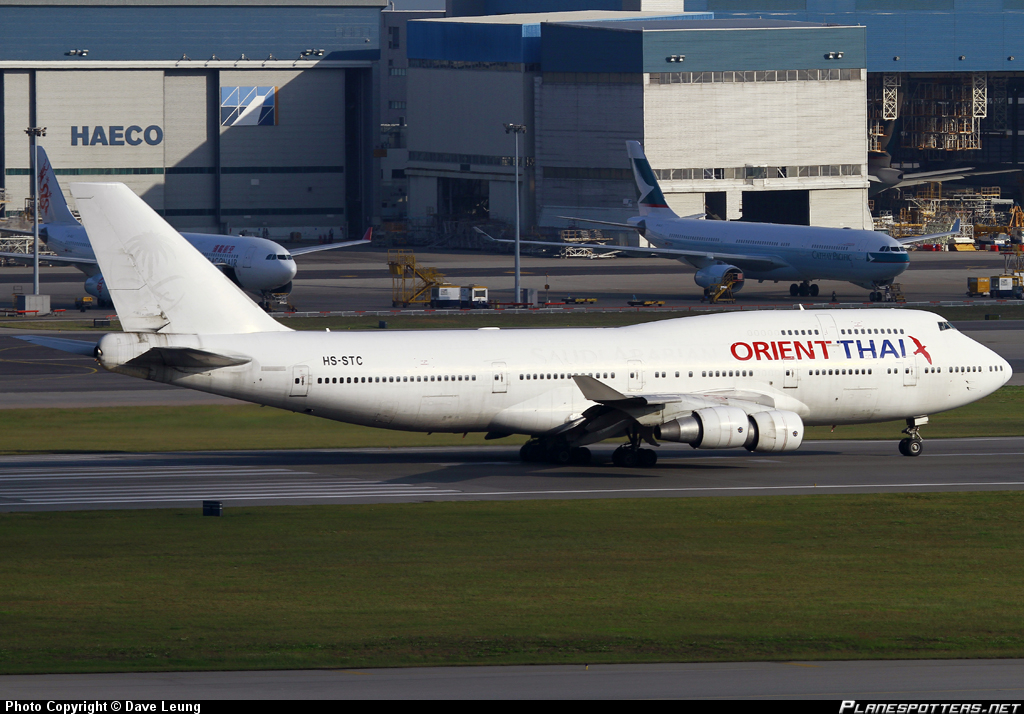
(652, 201)
(53, 208)
(157, 281)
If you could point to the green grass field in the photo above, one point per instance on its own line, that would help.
(811, 577)
(204, 428)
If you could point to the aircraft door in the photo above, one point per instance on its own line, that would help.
(909, 374)
(635, 370)
(790, 376)
(300, 381)
(499, 378)
(247, 260)
(828, 326)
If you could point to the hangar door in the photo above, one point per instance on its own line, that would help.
(463, 199)
(790, 207)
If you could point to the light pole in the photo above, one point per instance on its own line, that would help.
(34, 132)
(517, 129)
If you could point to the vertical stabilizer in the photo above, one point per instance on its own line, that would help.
(158, 282)
(651, 201)
(53, 209)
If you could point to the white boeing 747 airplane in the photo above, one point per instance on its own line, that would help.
(758, 251)
(255, 264)
(749, 380)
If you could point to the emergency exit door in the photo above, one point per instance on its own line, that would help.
(300, 381)
(499, 378)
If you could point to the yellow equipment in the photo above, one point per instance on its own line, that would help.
(720, 292)
(411, 283)
(978, 287)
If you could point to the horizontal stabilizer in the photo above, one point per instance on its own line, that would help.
(78, 347)
(186, 357)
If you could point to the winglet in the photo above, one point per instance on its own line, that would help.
(368, 236)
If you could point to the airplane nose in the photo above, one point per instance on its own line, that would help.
(288, 270)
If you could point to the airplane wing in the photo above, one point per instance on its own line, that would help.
(27, 259)
(620, 225)
(365, 240)
(614, 412)
(78, 347)
(746, 262)
(955, 230)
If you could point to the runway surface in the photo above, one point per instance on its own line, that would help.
(931, 680)
(416, 475)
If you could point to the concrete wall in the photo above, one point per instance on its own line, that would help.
(840, 208)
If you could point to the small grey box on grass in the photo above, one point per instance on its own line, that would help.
(213, 508)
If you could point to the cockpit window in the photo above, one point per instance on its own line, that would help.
(283, 257)
(945, 326)
(271, 256)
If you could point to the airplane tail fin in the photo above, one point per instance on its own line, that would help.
(158, 282)
(651, 201)
(52, 206)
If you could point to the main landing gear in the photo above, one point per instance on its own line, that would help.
(632, 456)
(804, 289)
(557, 452)
(913, 444)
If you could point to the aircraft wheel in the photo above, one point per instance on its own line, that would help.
(911, 447)
(581, 456)
(805, 290)
(531, 452)
(814, 291)
(648, 458)
(617, 456)
(629, 458)
(794, 290)
(560, 454)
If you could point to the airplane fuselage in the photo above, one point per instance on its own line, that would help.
(829, 367)
(256, 264)
(802, 253)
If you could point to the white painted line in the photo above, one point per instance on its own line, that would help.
(745, 488)
(236, 497)
(197, 487)
(141, 475)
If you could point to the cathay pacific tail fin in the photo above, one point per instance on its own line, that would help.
(652, 201)
(158, 282)
(53, 208)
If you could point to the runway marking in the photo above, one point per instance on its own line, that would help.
(744, 488)
(84, 485)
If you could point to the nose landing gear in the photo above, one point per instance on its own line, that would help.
(913, 444)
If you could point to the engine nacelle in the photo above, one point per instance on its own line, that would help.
(710, 428)
(97, 287)
(776, 430)
(731, 427)
(706, 277)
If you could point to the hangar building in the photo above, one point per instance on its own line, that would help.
(762, 120)
(222, 115)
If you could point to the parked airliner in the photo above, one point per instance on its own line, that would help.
(255, 264)
(751, 380)
(758, 251)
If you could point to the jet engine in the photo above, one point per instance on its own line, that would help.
(706, 277)
(97, 287)
(731, 427)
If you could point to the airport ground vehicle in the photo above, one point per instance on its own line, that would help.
(732, 380)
